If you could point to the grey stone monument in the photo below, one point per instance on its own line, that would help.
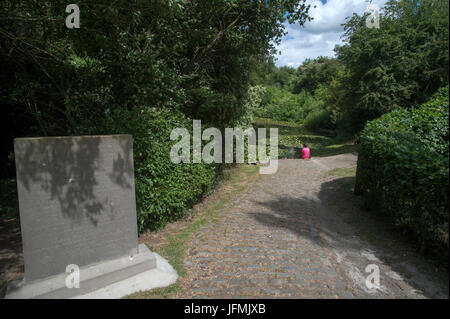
(77, 207)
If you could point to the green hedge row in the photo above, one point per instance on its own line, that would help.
(403, 169)
(164, 190)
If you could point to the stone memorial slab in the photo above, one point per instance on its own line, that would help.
(77, 207)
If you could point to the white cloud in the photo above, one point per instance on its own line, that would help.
(319, 36)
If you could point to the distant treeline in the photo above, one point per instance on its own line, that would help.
(399, 65)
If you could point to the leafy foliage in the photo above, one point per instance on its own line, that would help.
(313, 73)
(319, 119)
(163, 189)
(395, 66)
(377, 70)
(141, 68)
(403, 168)
(282, 105)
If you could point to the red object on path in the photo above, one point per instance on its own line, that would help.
(305, 153)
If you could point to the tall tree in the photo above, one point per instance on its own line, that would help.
(313, 73)
(400, 64)
(189, 56)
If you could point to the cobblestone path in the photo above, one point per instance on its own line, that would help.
(267, 245)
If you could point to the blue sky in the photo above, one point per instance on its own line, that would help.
(319, 36)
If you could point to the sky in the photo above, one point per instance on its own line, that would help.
(319, 36)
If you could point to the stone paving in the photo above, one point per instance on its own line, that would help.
(284, 238)
(266, 245)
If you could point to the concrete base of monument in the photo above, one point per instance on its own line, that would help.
(110, 279)
(162, 276)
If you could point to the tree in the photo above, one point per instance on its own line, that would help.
(138, 67)
(313, 73)
(396, 66)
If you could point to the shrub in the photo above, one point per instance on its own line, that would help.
(318, 119)
(163, 189)
(282, 105)
(403, 169)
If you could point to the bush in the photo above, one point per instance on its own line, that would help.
(163, 189)
(281, 105)
(158, 65)
(403, 169)
(318, 119)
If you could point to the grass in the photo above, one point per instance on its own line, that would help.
(292, 136)
(157, 293)
(263, 121)
(342, 172)
(176, 237)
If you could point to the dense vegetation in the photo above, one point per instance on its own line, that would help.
(146, 67)
(399, 65)
(288, 93)
(378, 84)
(403, 169)
(136, 67)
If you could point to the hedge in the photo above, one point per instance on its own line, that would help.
(403, 169)
(164, 190)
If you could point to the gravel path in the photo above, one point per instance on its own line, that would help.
(276, 241)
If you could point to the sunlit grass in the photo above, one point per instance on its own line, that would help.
(292, 136)
(342, 172)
